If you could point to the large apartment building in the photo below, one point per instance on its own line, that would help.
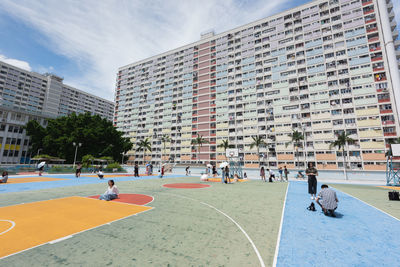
(26, 95)
(322, 68)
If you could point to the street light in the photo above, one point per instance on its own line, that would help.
(76, 145)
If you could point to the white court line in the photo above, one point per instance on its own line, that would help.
(226, 215)
(12, 226)
(368, 204)
(278, 241)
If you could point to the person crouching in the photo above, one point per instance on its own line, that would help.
(327, 200)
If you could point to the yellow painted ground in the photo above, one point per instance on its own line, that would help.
(44, 221)
(31, 180)
(391, 187)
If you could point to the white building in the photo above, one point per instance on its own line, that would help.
(322, 68)
(26, 95)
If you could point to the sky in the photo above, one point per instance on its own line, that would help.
(85, 42)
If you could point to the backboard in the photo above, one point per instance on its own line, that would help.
(395, 150)
(232, 153)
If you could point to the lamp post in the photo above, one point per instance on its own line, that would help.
(76, 145)
(303, 128)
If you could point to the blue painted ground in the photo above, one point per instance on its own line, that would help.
(71, 181)
(360, 236)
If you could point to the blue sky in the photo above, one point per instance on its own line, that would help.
(86, 41)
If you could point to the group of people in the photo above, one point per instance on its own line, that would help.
(326, 198)
(283, 174)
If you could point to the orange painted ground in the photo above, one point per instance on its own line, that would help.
(186, 185)
(31, 180)
(40, 222)
(391, 187)
(137, 199)
(219, 180)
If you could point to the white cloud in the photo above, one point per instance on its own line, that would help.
(15, 62)
(101, 36)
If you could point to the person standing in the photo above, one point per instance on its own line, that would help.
(136, 170)
(262, 174)
(280, 174)
(187, 170)
(226, 174)
(286, 172)
(312, 173)
(214, 171)
(222, 175)
(328, 199)
(78, 170)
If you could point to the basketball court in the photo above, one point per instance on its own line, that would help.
(265, 224)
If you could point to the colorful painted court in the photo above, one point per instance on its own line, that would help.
(57, 220)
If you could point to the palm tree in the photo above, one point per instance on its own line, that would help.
(144, 145)
(257, 142)
(164, 139)
(296, 138)
(341, 141)
(199, 141)
(225, 145)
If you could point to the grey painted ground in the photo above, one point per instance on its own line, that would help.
(178, 232)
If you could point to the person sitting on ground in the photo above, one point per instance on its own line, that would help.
(100, 174)
(204, 177)
(327, 200)
(4, 177)
(111, 192)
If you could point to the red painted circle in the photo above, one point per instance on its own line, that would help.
(186, 185)
(137, 199)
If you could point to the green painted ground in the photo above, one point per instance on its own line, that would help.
(178, 232)
(373, 195)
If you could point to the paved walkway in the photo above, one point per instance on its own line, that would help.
(360, 236)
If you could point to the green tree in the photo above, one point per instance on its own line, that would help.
(199, 141)
(296, 139)
(225, 145)
(258, 141)
(87, 160)
(144, 145)
(37, 134)
(98, 137)
(341, 141)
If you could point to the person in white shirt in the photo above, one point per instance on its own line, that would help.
(100, 174)
(111, 193)
(271, 175)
